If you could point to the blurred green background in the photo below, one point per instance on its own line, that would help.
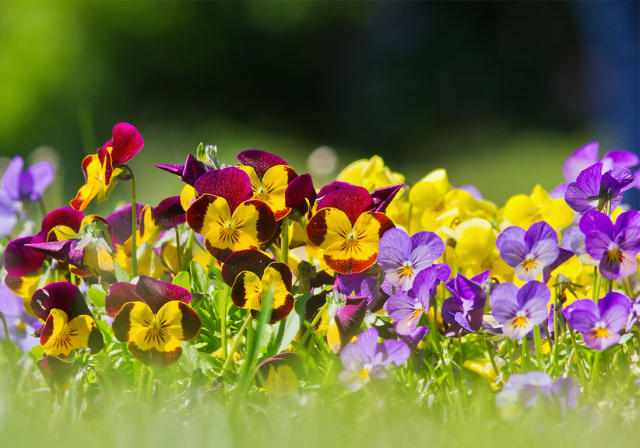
(497, 93)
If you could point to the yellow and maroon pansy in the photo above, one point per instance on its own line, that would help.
(226, 216)
(153, 317)
(279, 376)
(69, 324)
(349, 248)
(249, 290)
(60, 336)
(270, 175)
(102, 169)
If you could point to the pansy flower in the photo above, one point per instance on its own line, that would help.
(101, 170)
(347, 232)
(407, 307)
(280, 376)
(189, 171)
(587, 156)
(153, 317)
(69, 324)
(251, 285)
(365, 359)
(593, 189)
(402, 257)
(270, 175)
(525, 390)
(21, 185)
(227, 216)
(21, 325)
(519, 310)
(634, 315)
(341, 319)
(600, 323)
(614, 246)
(528, 252)
(465, 310)
(363, 284)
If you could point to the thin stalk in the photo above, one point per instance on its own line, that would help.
(234, 346)
(4, 326)
(134, 223)
(524, 354)
(538, 345)
(284, 241)
(610, 285)
(188, 250)
(490, 353)
(596, 284)
(581, 361)
(223, 320)
(178, 248)
(595, 367)
(43, 209)
(313, 323)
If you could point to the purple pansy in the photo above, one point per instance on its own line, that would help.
(524, 391)
(528, 252)
(21, 326)
(365, 358)
(593, 189)
(574, 240)
(519, 310)
(614, 246)
(407, 307)
(600, 324)
(465, 310)
(402, 257)
(634, 315)
(20, 185)
(587, 156)
(362, 285)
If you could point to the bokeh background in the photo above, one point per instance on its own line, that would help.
(497, 93)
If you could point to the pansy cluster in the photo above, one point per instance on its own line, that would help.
(260, 279)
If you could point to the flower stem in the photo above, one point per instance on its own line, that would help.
(234, 347)
(313, 323)
(490, 353)
(596, 284)
(4, 326)
(284, 241)
(538, 345)
(178, 248)
(134, 223)
(223, 320)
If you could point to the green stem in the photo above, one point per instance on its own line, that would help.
(178, 248)
(312, 325)
(596, 284)
(188, 250)
(134, 224)
(43, 209)
(236, 341)
(4, 326)
(284, 241)
(490, 353)
(595, 367)
(583, 373)
(223, 320)
(538, 345)
(524, 354)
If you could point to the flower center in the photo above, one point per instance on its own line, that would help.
(364, 374)
(351, 242)
(530, 263)
(614, 254)
(600, 330)
(406, 270)
(520, 320)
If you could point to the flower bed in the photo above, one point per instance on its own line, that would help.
(252, 285)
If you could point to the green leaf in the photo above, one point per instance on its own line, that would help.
(283, 333)
(199, 279)
(97, 296)
(182, 279)
(121, 274)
